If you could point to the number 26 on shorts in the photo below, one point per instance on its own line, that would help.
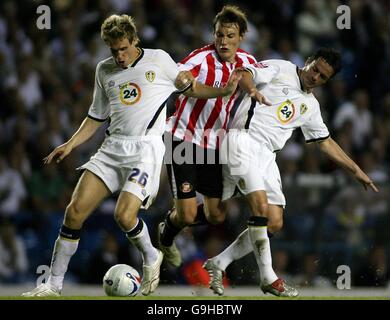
(138, 177)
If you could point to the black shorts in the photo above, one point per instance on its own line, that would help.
(192, 168)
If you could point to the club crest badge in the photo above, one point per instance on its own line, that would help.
(303, 108)
(150, 75)
(186, 187)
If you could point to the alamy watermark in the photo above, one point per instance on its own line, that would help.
(235, 148)
(344, 19)
(344, 280)
(44, 271)
(44, 20)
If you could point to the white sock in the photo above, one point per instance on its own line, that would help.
(143, 243)
(262, 250)
(63, 250)
(239, 248)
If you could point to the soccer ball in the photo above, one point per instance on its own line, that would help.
(121, 280)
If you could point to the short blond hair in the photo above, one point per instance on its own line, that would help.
(119, 27)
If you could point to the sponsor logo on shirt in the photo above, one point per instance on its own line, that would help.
(130, 93)
(286, 111)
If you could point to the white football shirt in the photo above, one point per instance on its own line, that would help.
(134, 98)
(291, 107)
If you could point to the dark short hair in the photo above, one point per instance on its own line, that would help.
(331, 56)
(232, 14)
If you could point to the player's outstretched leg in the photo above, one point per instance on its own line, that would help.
(151, 275)
(216, 277)
(64, 248)
(43, 290)
(216, 266)
(270, 282)
(152, 257)
(165, 237)
(280, 288)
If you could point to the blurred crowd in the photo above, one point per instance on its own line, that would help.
(46, 84)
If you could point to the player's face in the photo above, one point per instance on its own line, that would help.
(227, 39)
(123, 52)
(316, 73)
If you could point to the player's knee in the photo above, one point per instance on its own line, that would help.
(261, 209)
(187, 215)
(74, 214)
(125, 219)
(216, 216)
(275, 226)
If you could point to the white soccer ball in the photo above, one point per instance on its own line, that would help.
(121, 280)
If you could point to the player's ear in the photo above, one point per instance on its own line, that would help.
(133, 42)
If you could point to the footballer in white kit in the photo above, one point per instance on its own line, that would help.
(258, 132)
(134, 100)
(131, 89)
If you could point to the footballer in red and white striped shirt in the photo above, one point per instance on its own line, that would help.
(198, 126)
(202, 121)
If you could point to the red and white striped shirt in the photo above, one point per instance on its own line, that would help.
(204, 121)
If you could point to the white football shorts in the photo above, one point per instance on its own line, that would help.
(129, 164)
(249, 166)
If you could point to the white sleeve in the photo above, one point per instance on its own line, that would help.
(263, 72)
(170, 68)
(168, 65)
(100, 107)
(314, 129)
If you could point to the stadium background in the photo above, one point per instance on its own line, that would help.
(46, 83)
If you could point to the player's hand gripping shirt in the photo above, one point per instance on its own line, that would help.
(134, 98)
(204, 121)
(291, 107)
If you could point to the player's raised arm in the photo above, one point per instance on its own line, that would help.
(199, 90)
(247, 85)
(86, 130)
(334, 152)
